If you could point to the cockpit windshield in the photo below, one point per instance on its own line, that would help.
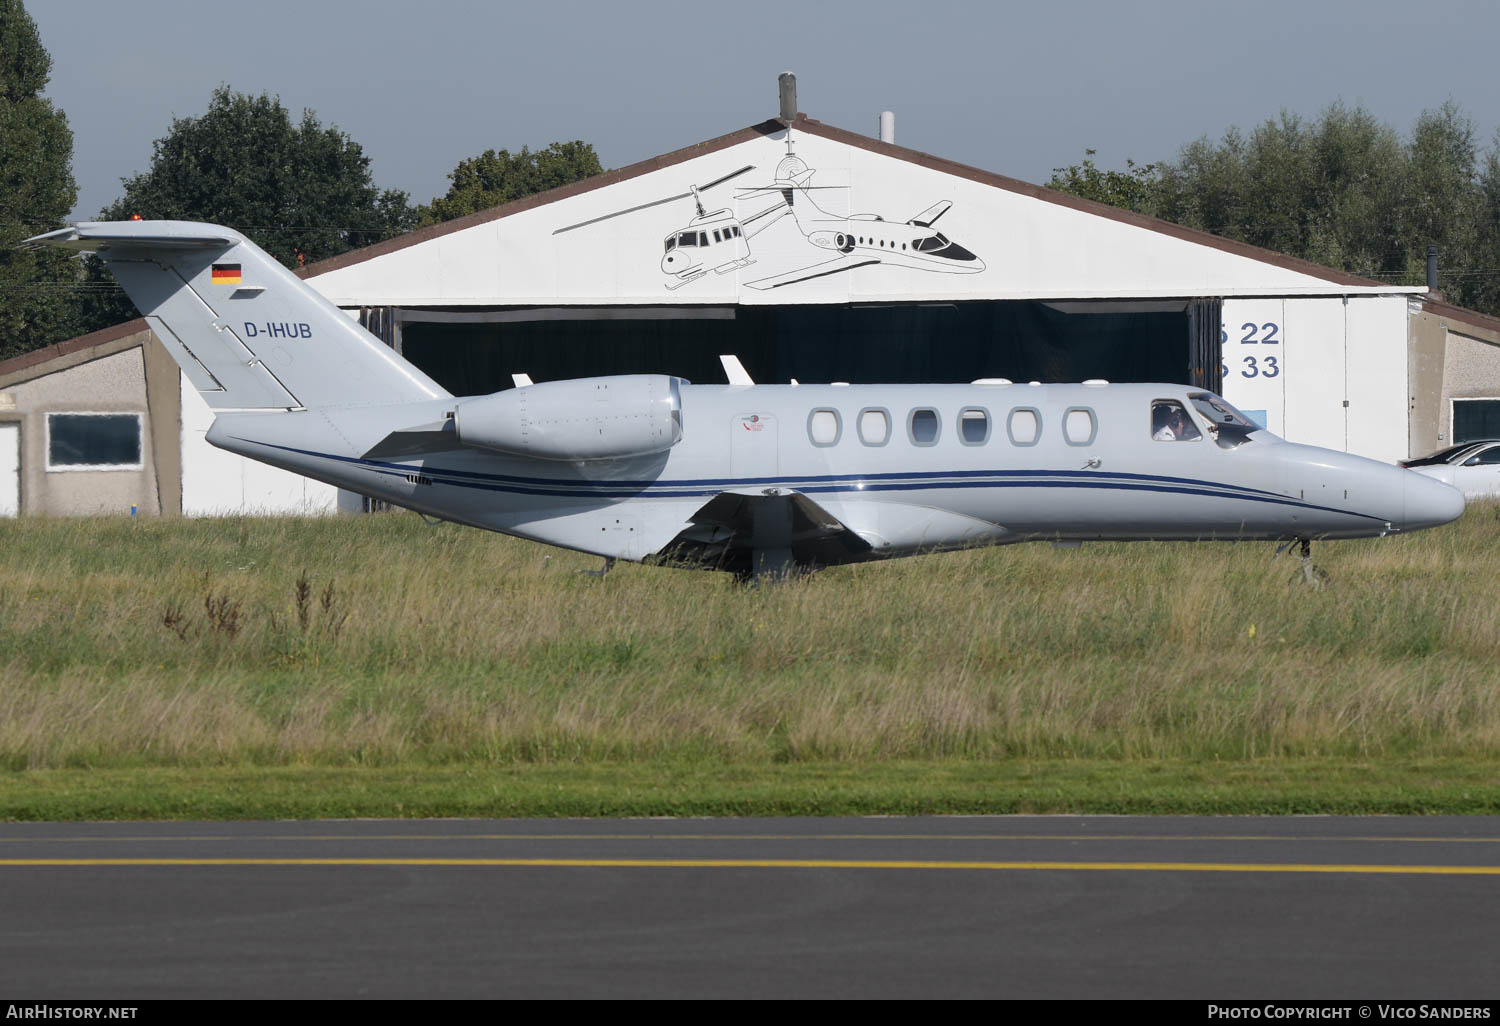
(1229, 425)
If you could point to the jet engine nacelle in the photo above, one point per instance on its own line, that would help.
(582, 419)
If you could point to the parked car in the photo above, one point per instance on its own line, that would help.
(1473, 467)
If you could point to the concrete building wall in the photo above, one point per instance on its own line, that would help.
(111, 384)
(1453, 354)
(1427, 341)
(1471, 370)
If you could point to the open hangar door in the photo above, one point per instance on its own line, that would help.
(476, 352)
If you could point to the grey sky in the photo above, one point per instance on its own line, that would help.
(1013, 88)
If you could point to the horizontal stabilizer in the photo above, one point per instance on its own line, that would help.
(99, 236)
(416, 441)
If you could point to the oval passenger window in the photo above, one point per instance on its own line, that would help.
(1078, 426)
(924, 427)
(974, 426)
(823, 427)
(874, 427)
(1025, 427)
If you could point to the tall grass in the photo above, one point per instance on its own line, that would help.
(381, 640)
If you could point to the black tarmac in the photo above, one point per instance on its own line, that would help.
(1033, 906)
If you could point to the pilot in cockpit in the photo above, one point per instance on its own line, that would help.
(1170, 422)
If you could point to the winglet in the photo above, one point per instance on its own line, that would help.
(735, 370)
(926, 218)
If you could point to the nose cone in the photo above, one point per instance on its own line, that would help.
(1429, 502)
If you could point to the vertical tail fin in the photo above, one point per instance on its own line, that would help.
(246, 331)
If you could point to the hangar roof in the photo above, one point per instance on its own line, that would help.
(53, 358)
(850, 237)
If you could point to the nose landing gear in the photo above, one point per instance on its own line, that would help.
(1312, 575)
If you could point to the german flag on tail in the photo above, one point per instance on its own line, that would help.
(226, 274)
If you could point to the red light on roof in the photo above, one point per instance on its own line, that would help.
(135, 217)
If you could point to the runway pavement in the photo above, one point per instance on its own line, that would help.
(1047, 906)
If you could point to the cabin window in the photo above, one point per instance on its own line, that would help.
(824, 427)
(903, 246)
(973, 425)
(923, 426)
(1024, 425)
(1080, 426)
(688, 239)
(94, 441)
(716, 236)
(703, 238)
(874, 426)
(1171, 423)
(736, 230)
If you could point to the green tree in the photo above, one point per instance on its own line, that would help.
(496, 177)
(1136, 188)
(36, 191)
(300, 190)
(1343, 190)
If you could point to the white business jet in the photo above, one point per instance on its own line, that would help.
(754, 479)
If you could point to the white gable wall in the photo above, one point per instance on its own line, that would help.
(1030, 248)
(1297, 347)
(219, 483)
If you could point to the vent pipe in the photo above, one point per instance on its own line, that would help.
(1432, 268)
(787, 83)
(887, 127)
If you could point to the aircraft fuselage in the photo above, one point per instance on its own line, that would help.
(951, 466)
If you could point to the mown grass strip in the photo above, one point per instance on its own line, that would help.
(901, 788)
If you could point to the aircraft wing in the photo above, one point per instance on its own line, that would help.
(727, 529)
(843, 262)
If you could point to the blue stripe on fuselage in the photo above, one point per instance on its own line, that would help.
(824, 484)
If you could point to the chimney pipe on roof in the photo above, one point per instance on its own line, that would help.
(788, 85)
(887, 127)
(1432, 268)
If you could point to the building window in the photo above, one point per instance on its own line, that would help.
(1080, 426)
(874, 426)
(1474, 419)
(923, 427)
(973, 425)
(823, 427)
(1024, 425)
(93, 441)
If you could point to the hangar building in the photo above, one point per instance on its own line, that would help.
(818, 254)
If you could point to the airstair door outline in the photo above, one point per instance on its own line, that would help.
(752, 449)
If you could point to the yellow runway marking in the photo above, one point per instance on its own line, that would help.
(144, 838)
(1167, 867)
